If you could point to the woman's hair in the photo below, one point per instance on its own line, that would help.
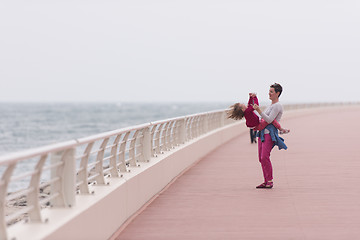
(277, 87)
(235, 112)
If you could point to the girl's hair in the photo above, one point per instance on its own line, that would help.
(235, 112)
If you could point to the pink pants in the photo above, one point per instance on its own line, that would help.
(264, 149)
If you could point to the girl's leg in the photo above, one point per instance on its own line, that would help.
(276, 124)
(264, 149)
(252, 137)
(282, 130)
(261, 125)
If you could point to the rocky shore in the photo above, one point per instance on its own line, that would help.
(21, 202)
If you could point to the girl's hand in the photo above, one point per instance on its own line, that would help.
(256, 107)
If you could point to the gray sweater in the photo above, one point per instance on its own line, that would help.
(274, 111)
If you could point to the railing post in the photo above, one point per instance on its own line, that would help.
(132, 150)
(182, 131)
(122, 149)
(152, 139)
(70, 177)
(222, 119)
(146, 145)
(173, 134)
(4, 182)
(163, 144)
(168, 136)
(99, 168)
(194, 125)
(33, 197)
(206, 126)
(114, 151)
(83, 172)
(67, 184)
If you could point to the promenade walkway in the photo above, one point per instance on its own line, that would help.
(316, 192)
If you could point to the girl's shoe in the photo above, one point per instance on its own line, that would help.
(285, 131)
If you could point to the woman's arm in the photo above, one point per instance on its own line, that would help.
(273, 114)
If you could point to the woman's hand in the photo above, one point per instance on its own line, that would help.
(257, 108)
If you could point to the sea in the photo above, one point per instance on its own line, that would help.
(30, 125)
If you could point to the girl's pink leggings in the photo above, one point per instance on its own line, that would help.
(264, 149)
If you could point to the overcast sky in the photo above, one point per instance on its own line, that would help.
(179, 50)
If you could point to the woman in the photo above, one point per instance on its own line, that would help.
(266, 139)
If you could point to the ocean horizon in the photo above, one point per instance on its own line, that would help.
(29, 125)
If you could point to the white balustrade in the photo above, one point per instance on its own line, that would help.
(74, 166)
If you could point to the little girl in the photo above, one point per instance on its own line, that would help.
(238, 111)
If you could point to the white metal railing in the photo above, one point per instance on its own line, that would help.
(60, 171)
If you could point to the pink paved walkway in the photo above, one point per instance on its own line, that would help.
(316, 193)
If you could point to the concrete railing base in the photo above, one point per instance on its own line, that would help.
(101, 214)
